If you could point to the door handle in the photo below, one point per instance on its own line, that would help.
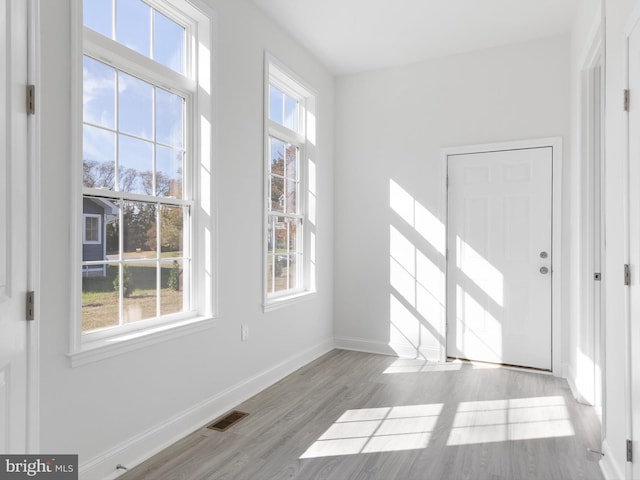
(544, 270)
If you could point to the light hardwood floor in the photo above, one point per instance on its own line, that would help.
(358, 416)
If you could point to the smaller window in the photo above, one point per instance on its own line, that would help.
(92, 229)
(290, 192)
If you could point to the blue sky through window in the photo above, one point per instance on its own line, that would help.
(133, 27)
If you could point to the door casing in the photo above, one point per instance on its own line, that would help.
(555, 143)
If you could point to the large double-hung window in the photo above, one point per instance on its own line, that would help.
(290, 186)
(145, 156)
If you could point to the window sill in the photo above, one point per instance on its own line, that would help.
(280, 302)
(110, 347)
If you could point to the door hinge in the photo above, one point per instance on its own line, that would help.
(627, 98)
(31, 99)
(629, 451)
(597, 276)
(30, 305)
(627, 275)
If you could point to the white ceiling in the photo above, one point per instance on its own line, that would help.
(350, 36)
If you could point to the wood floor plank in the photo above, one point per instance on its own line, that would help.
(359, 416)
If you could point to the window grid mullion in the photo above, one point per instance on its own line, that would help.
(116, 180)
(121, 265)
(152, 19)
(158, 256)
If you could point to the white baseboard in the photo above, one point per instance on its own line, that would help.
(570, 376)
(396, 350)
(139, 448)
(610, 470)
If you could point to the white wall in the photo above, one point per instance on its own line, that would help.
(121, 409)
(390, 127)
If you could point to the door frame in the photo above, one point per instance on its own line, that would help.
(21, 66)
(34, 236)
(555, 143)
(590, 205)
(630, 229)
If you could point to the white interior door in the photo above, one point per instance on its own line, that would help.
(499, 239)
(13, 226)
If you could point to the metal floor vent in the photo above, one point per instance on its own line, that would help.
(227, 421)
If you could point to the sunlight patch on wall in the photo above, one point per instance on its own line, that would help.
(509, 420)
(371, 430)
(417, 216)
(480, 271)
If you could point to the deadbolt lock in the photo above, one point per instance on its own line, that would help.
(544, 254)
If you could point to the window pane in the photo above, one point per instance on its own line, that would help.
(270, 274)
(277, 156)
(171, 231)
(292, 197)
(100, 222)
(133, 25)
(140, 230)
(169, 118)
(98, 16)
(135, 170)
(135, 102)
(98, 158)
(140, 297)
(293, 278)
(99, 296)
(270, 255)
(99, 93)
(278, 198)
(284, 260)
(275, 105)
(290, 113)
(283, 109)
(291, 171)
(171, 293)
(168, 42)
(169, 165)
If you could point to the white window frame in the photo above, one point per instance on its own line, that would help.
(196, 86)
(305, 139)
(86, 241)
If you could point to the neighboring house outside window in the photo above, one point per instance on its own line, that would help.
(142, 135)
(290, 187)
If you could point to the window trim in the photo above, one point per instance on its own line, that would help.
(292, 85)
(86, 216)
(200, 128)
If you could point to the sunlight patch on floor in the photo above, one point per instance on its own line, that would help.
(514, 419)
(378, 430)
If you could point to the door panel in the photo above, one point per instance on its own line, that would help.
(499, 222)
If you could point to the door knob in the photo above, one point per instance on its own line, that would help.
(544, 254)
(544, 270)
